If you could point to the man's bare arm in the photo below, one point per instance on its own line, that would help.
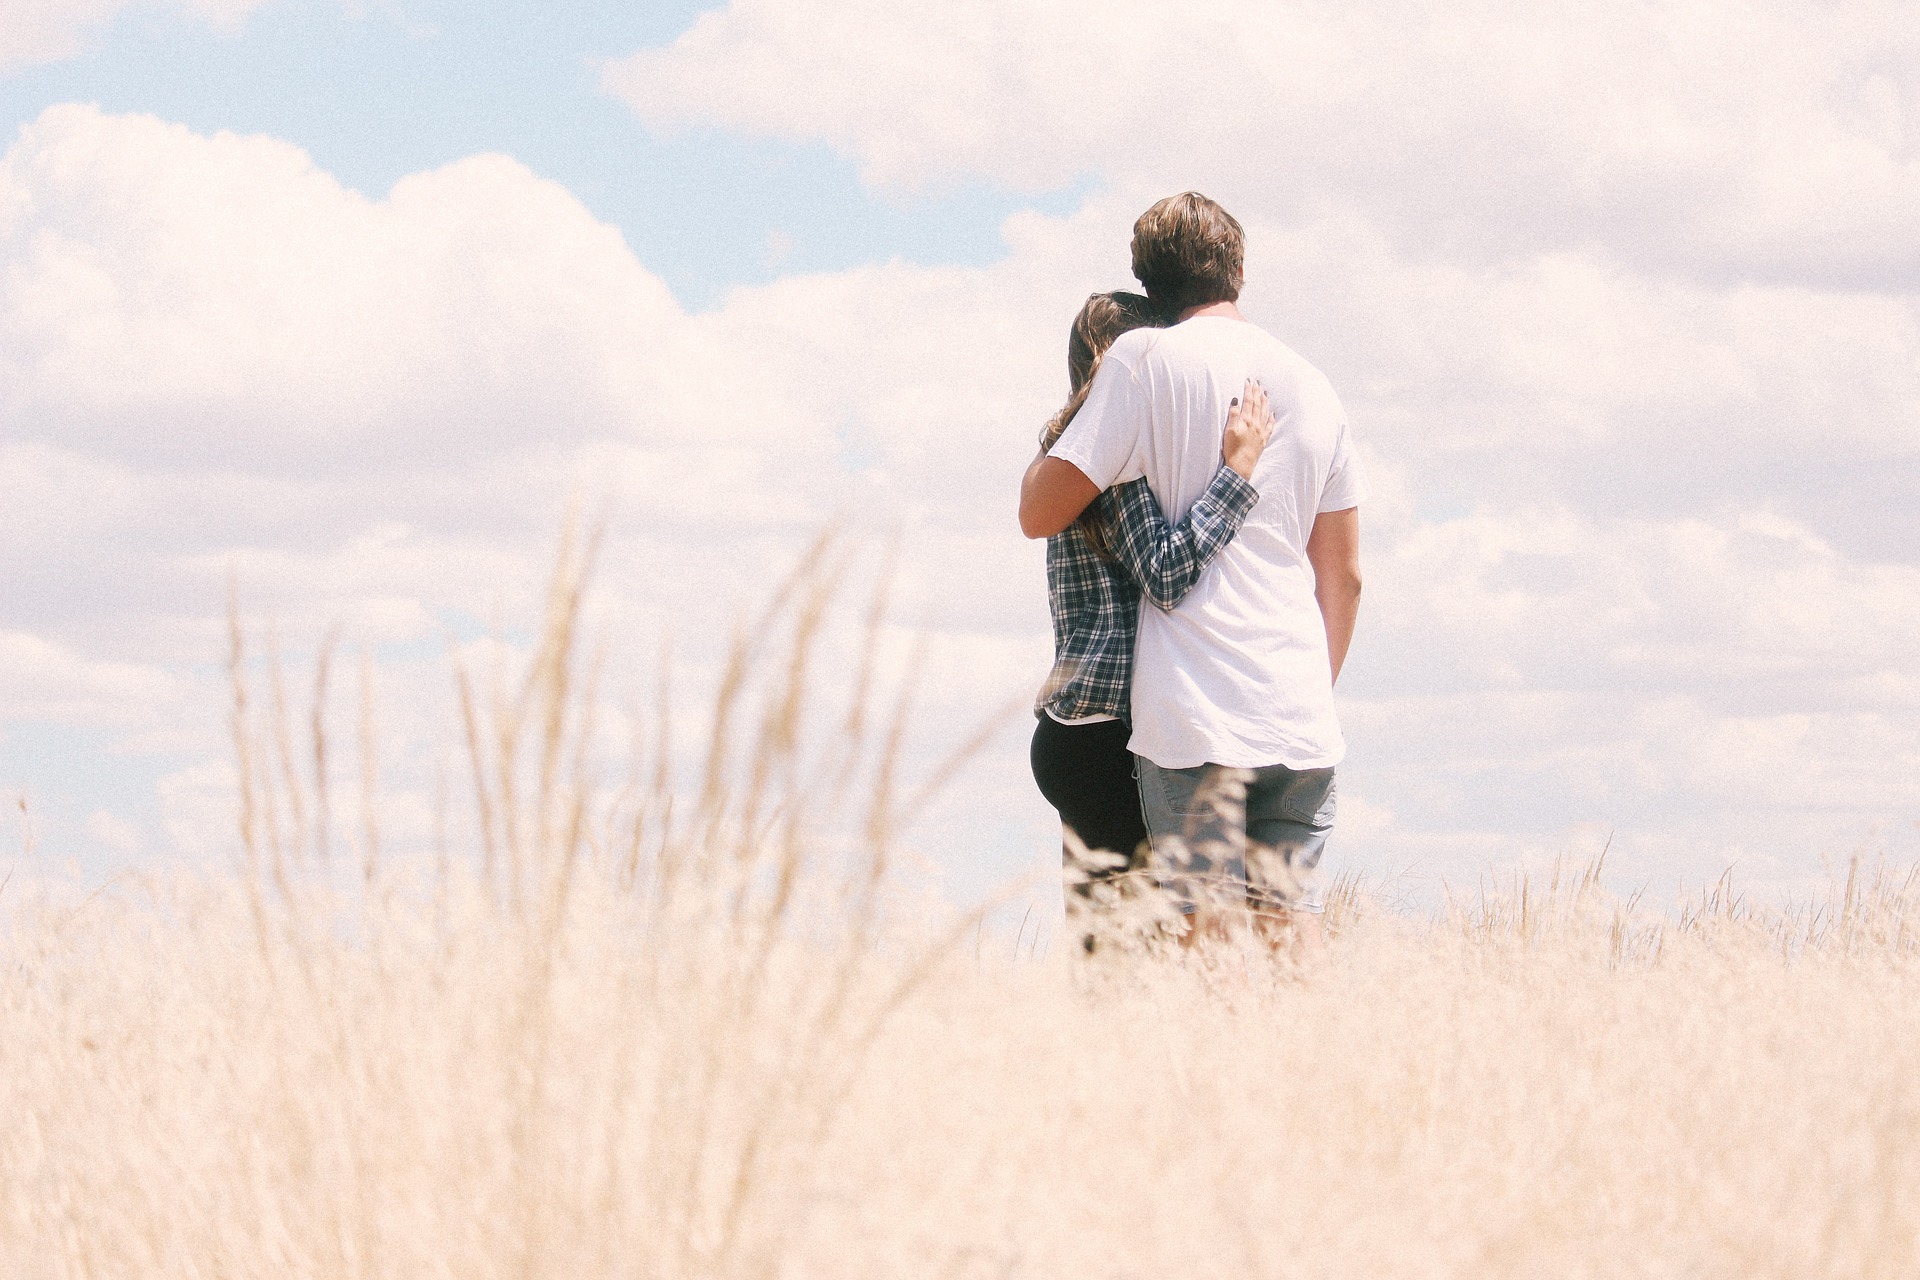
(1052, 496)
(1333, 548)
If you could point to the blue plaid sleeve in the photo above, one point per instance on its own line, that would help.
(1166, 560)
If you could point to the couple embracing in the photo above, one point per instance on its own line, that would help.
(1200, 499)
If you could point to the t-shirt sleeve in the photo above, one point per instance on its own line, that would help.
(1104, 438)
(1346, 484)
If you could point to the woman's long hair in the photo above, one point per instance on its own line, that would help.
(1104, 317)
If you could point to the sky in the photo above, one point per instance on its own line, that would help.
(344, 302)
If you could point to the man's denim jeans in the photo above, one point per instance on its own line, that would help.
(1248, 837)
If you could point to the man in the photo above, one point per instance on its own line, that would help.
(1234, 686)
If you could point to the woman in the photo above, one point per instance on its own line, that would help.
(1097, 570)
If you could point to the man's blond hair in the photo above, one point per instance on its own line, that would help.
(1189, 252)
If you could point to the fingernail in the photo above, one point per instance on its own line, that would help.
(1231, 403)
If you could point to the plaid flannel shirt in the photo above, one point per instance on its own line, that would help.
(1096, 601)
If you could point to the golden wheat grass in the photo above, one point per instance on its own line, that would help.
(639, 1033)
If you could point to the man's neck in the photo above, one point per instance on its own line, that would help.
(1228, 309)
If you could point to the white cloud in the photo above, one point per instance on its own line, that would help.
(1716, 138)
(1710, 690)
(1741, 606)
(33, 31)
(171, 293)
(38, 31)
(40, 680)
(122, 836)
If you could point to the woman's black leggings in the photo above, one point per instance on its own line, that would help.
(1086, 772)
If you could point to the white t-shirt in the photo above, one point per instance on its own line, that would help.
(1237, 674)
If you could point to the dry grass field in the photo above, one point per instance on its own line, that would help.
(618, 1041)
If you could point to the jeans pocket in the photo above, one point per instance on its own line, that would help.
(1182, 790)
(1311, 799)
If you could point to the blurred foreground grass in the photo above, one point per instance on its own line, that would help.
(616, 1041)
